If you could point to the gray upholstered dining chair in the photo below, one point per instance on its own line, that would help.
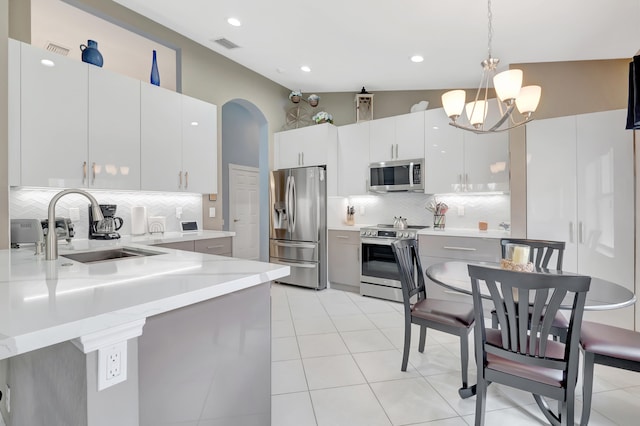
(540, 254)
(443, 315)
(520, 354)
(606, 345)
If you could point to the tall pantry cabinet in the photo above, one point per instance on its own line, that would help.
(580, 189)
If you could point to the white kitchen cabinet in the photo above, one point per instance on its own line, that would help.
(308, 146)
(53, 119)
(13, 120)
(114, 131)
(397, 138)
(160, 138)
(178, 142)
(344, 259)
(440, 248)
(580, 190)
(353, 158)
(462, 161)
(199, 146)
(220, 246)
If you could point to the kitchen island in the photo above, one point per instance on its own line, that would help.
(197, 328)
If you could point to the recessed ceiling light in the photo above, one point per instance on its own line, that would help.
(234, 22)
(417, 58)
(47, 63)
(305, 68)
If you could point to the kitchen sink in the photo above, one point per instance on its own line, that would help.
(110, 254)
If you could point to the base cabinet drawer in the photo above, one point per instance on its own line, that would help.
(460, 248)
(220, 246)
(181, 245)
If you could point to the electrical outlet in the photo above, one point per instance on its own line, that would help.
(460, 210)
(212, 212)
(112, 365)
(362, 210)
(178, 212)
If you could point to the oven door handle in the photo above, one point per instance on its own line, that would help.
(377, 241)
(411, 173)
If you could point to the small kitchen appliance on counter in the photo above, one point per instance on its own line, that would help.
(379, 275)
(105, 229)
(26, 231)
(64, 228)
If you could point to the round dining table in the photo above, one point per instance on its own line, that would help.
(602, 295)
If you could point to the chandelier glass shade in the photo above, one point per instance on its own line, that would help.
(509, 92)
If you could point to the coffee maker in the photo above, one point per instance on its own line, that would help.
(105, 229)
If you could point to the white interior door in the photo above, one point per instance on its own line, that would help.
(244, 211)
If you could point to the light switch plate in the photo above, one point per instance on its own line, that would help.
(212, 212)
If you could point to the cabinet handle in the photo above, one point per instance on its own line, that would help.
(299, 162)
(460, 179)
(392, 151)
(570, 232)
(186, 180)
(302, 153)
(396, 151)
(580, 232)
(180, 179)
(342, 237)
(466, 181)
(236, 220)
(214, 247)
(358, 255)
(93, 172)
(459, 248)
(84, 172)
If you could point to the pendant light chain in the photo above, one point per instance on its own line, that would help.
(490, 27)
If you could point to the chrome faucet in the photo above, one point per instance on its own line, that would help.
(51, 246)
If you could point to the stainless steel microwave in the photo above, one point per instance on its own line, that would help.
(400, 175)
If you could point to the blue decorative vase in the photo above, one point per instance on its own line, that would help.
(91, 54)
(155, 76)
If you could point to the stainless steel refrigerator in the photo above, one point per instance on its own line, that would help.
(298, 229)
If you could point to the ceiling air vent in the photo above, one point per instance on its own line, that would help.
(56, 48)
(226, 43)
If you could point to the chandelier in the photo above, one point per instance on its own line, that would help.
(509, 91)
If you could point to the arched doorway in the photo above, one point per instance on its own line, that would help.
(245, 142)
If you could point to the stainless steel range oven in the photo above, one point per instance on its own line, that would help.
(379, 276)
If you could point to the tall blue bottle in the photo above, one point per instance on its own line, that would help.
(155, 76)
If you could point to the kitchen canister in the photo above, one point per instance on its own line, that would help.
(91, 54)
(138, 220)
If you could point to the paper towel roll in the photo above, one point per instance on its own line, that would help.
(138, 220)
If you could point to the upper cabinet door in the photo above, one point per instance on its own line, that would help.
(353, 158)
(54, 97)
(161, 139)
(383, 140)
(305, 147)
(114, 130)
(14, 113)
(443, 154)
(199, 146)
(409, 136)
(486, 159)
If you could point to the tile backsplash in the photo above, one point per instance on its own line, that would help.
(32, 203)
(465, 210)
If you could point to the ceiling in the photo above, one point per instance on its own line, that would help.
(353, 43)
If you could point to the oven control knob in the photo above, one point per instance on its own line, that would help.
(406, 234)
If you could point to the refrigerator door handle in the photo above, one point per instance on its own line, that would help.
(293, 209)
(287, 205)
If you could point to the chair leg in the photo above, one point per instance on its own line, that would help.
(481, 400)
(423, 338)
(464, 358)
(407, 344)
(587, 387)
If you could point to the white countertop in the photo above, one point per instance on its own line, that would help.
(466, 232)
(47, 302)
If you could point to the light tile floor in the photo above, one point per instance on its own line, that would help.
(336, 361)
